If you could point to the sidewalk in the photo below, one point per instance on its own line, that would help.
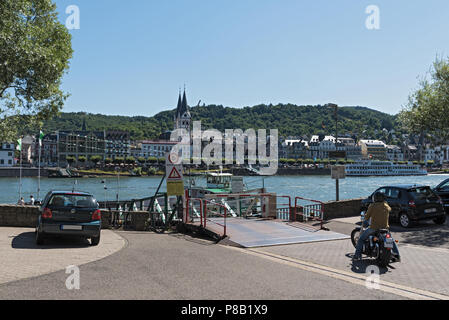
(21, 258)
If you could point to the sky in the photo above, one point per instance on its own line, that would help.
(132, 57)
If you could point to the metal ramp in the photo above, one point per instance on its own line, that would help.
(250, 233)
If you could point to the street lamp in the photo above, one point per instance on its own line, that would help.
(337, 184)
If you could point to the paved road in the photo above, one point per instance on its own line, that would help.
(153, 266)
(156, 266)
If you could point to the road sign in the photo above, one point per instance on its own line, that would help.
(338, 172)
(173, 171)
(174, 174)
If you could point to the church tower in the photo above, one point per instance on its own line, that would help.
(183, 118)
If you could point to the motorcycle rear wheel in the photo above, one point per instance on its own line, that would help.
(355, 235)
(384, 257)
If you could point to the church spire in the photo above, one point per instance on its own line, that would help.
(178, 109)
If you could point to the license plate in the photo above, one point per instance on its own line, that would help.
(71, 227)
(389, 243)
(430, 210)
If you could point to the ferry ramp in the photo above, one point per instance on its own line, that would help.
(251, 233)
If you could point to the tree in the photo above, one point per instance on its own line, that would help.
(35, 49)
(427, 110)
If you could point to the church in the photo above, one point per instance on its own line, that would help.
(182, 118)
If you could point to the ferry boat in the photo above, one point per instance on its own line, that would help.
(383, 168)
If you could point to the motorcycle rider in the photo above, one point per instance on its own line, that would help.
(379, 213)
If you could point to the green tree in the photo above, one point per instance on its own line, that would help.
(427, 109)
(130, 160)
(35, 49)
(70, 159)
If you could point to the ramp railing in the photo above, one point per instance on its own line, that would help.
(218, 210)
(308, 209)
(284, 210)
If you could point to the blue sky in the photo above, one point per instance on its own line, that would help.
(132, 56)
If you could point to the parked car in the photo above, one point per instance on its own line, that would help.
(442, 190)
(66, 213)
(411, 203)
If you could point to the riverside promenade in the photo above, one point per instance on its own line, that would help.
(177, 266)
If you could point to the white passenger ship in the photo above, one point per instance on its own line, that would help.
(383, 168)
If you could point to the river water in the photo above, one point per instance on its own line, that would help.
(314, 187)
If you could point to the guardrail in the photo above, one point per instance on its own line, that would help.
(314, 211)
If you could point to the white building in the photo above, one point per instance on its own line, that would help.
(6, 155)
(147, 149)
(320, 146)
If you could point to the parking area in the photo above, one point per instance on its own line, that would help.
(21, 258)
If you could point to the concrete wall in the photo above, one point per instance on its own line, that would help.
(26, 172)
(26, 216)
(342, 209)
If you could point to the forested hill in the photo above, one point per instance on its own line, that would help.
(290, 120)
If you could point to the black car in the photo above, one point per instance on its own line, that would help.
(69, 214)
(411, 203)
(442, 190)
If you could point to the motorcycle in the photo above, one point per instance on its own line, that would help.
(379, 245)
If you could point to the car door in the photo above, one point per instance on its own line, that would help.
(394, 196)
(442, 190)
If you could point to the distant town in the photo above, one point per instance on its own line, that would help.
(109, 148)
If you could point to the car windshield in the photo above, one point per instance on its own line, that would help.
(422, 193)
(73, 200)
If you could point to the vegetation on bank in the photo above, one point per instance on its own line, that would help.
(289, 119)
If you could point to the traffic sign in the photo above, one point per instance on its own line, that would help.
(174, 174)
(173, 171)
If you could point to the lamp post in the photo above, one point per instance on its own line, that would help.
(337, 182)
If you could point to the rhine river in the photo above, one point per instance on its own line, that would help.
(314, 187)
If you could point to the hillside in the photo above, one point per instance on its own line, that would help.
(291, 120)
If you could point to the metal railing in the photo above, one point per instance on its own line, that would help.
(314, 211)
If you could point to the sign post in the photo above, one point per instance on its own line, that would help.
(338, 172)
(173, 172)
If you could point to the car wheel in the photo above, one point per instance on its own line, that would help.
(440, 220)
(94, 241)
(404, 220)
(39, 238)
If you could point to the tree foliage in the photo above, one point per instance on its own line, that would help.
(290, 120)
(35, 49)
(427, 109)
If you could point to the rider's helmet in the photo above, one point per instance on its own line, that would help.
(379, 197)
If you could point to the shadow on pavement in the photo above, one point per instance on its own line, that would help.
(26, 240)
(423, 234)
(362, 265)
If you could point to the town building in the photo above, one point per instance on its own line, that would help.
(320, 146)
(118, 144)
(394, 153)
(352, 150)
(150, 148)
(6, 154)
(75, 144)
(373, 149)
(49, 150)
(293, 149)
